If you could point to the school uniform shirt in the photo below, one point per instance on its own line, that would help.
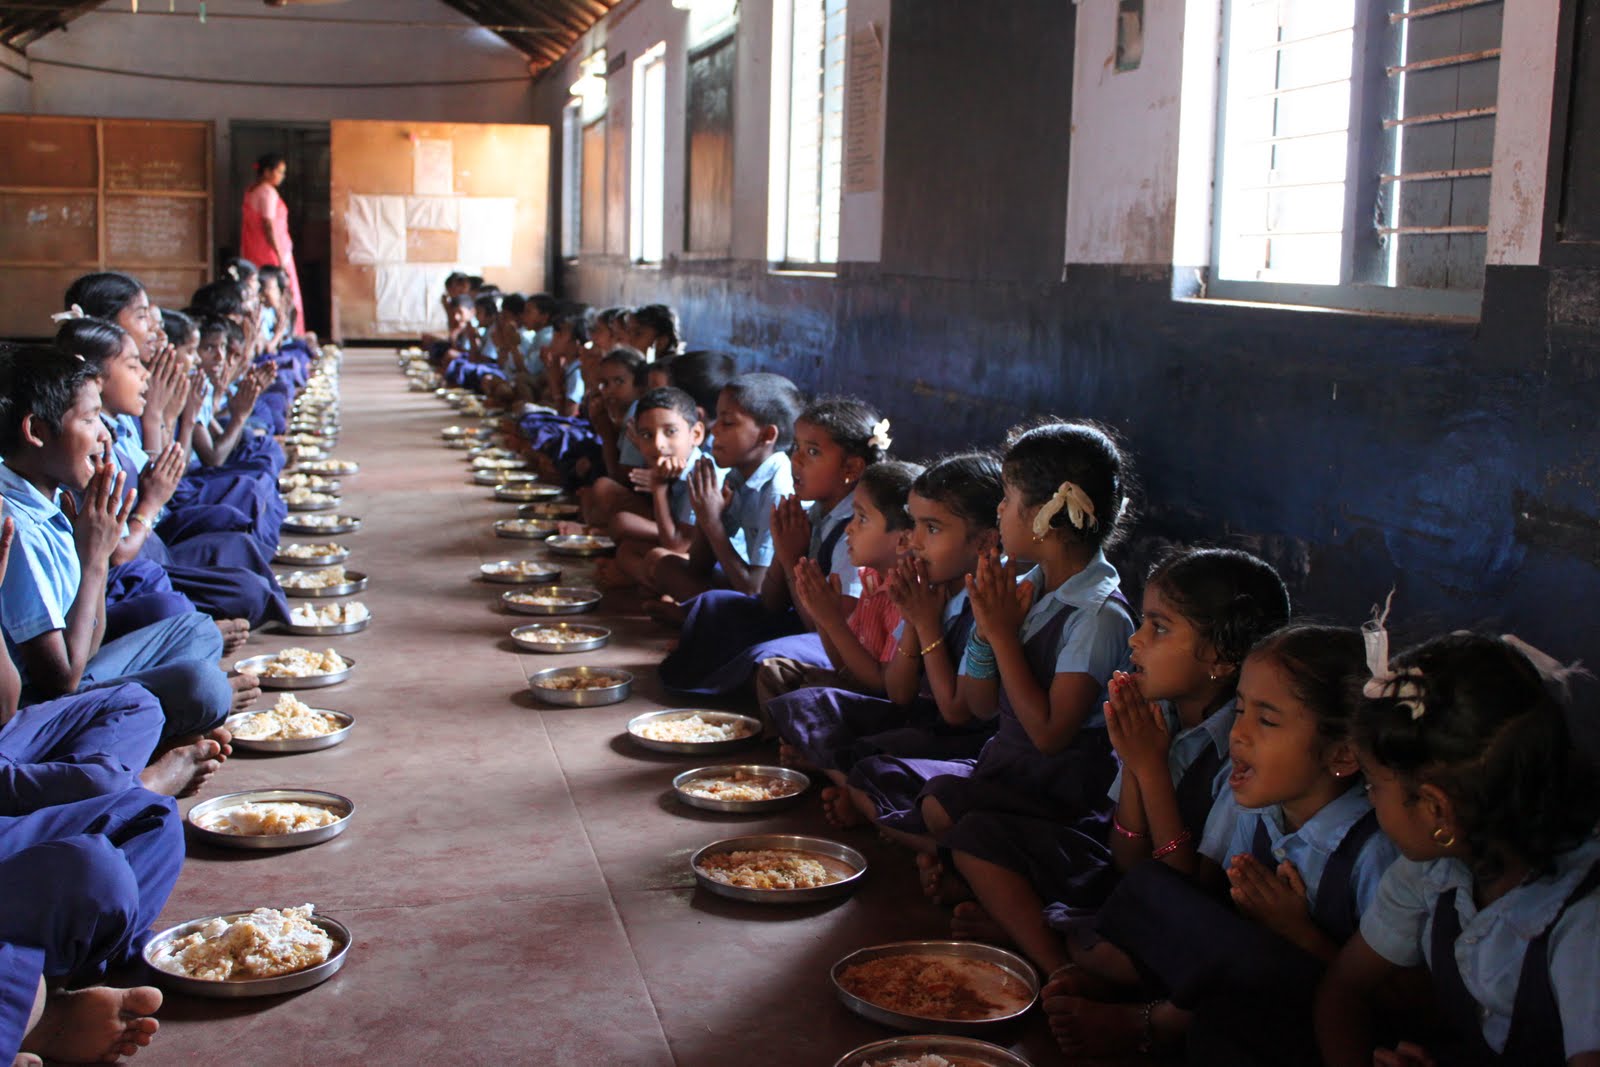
(1208, 735)
(572, 382)
(1094, 640)
(748, 515)
(127, 437)
(824, 524)
(1231, 830)
(876, 622)
(269, 322)
(678, 490)
(42, 580)
(628, 453)
(1494, 940)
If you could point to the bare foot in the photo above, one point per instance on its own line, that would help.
(246, 690)
(667, 612)
(95, 1025)
(607, 575)
(789, 756)
(27, 1059)
(1097, 1030)
(235, 632)
(939, 885)
(224, 739)
(839, 809)
(183, 770)
(1075, 981)
(970, 922)
(568, 528)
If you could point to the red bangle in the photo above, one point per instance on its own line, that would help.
(1131, 835)
(1172, 846)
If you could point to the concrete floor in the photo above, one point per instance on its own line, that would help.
(516, 877)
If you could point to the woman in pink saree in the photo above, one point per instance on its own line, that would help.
(264, 230)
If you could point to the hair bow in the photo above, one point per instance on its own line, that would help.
(73, 312)
(1405, 687)
(1080, 509)
(880, 438)
(233, 272)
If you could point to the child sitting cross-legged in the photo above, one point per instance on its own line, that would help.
(52, 600)
(670, 433)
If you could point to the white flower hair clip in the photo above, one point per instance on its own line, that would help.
(233, 272)
(880, 438)
(73, 312)
(1404, 687)
(1080, 509)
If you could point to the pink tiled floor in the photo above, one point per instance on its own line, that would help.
(515, 876)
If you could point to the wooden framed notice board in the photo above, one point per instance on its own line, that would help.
(85, 194)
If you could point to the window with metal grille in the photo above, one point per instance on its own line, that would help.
(647, 189)
(571, 176)
(1355, 141)
(808, 107)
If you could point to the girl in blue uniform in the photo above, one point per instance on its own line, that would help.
(728, 632)
(1291, 857)
(1473, 773)
(1168, 721)
(952, 507)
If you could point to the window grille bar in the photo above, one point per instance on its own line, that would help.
(1438, 175)
(1291, 233)
(1278, 46)
(1406, 231)
(1275, 186)
(1285, 138)
(1443, 8)
(1461, 59)
(1441, 116)
(1271, 93)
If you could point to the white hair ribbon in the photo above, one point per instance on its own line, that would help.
(73, 312)
(1404, 687)
(1080, 509)
(880, 438)
(233, 272)
(1558, 673)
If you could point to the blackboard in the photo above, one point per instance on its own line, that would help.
(147, 230)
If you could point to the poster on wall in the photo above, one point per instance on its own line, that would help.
(863, 149)
(413, 202)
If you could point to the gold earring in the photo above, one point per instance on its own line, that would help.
(1443, 837)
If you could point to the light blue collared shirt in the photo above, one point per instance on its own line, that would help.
(678, 489)
(1493, 941)
(748, 516)
(42, 580)
(1189, 745)
(1094, 640)
(824, 523)
(1308, 848)
(127, 437)
(572, 380)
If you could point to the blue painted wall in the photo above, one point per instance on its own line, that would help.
(1458, 462)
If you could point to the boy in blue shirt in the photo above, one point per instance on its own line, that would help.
(52, 597)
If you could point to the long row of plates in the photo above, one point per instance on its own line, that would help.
(545, 589)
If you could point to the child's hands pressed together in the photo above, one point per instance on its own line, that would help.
(1275, 899)
(159, 480)
(705, 496)
(820, 594)
(1137, 727)
(920, 600)
(97, 522)
(194, 396)
(791, 531)
(999, 601)
(660, 474)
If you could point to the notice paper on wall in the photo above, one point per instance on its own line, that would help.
(863, 142)
(432, 213)
(432, 168)
(486, 227)
(408, 296)
(375, 228)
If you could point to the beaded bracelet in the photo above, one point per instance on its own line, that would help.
(981, 663)
(1172, 846)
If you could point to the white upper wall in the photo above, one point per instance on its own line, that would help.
(271, 55)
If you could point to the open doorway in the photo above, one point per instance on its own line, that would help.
(305, 145)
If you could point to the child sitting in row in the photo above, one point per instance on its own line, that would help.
(670, 433)
(52, 603)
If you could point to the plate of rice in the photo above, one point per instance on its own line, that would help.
(271, 818)
(693, 731)
(931, 1050)
(779, 868)
(258, 953)
(290, 725)
(297, 668)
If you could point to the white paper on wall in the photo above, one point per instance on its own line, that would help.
(432, 213)
(375, 229)
(486, 227)
(408, 296)
(433, 168)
